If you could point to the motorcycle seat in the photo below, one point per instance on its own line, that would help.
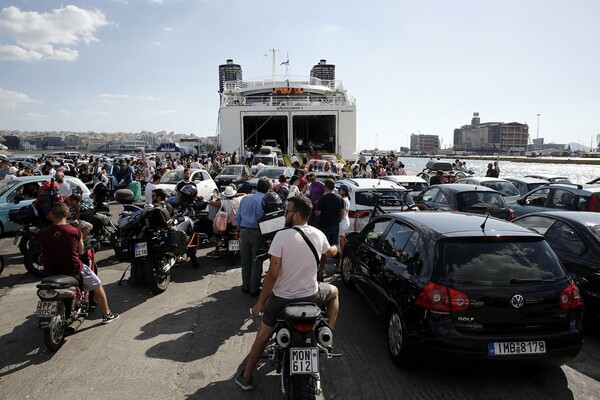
(61, 280)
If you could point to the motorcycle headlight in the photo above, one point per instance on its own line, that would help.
(47, 293)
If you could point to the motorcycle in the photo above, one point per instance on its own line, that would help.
(26, 237)
(153, 242)
(62, 306)
(301, 337)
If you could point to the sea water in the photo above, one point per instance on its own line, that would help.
(577, 173)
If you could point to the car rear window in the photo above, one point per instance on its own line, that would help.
(490, 261)
(478, 201)
(367, 197)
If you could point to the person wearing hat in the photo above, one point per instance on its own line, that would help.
(229, 202)
(12, 173)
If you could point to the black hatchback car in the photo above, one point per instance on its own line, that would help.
(476, 199)
(575, 238)
(465, 286)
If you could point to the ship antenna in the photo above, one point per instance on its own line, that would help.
(482, 226)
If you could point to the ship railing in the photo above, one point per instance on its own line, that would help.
(284, 81)
(291, 100)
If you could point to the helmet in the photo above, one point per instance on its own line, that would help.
(100, 190)
(188, 193)
(271, 202)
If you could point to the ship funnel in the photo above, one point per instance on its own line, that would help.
(230, 72)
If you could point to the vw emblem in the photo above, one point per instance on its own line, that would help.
(517, 301)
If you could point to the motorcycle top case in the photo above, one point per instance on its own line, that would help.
(24, 215)
(124, 196)
(272, 222)
(174, 242)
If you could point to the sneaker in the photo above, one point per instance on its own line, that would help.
(107, 319)
(246, 384)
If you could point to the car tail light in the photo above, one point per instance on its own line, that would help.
(570, 298)
(511, 214)
(441, 298)
(593, 203)
(303, 328)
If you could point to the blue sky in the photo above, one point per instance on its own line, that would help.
(413, 66)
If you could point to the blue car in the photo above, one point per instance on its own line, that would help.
(20, 192)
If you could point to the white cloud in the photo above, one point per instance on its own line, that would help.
(11, 100)
(33, 116)
(34, 36)
(154, 44)
(93, 112)
(167, 112)
(116, 98)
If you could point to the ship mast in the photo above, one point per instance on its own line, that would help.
(274, 66)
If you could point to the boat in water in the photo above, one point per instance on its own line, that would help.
(296, 114)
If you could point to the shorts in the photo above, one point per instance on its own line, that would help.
(275, 305)
(332, 234)
(90, 279)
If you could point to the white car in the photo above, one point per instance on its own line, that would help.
(363, 193)
(204, 182)
(411, 182)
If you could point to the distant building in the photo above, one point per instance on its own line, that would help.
(491, 137)
(425, 143)
(55, 143)
(73, 142)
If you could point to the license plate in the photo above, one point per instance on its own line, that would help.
(516, 348)
(140, 249)
(46, 309)
(234, 245)
(304, 360)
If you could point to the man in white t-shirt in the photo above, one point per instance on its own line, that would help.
(150, 186)
(292, 277)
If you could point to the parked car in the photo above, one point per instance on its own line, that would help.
(412, 183)
(575, 238)
(465, 198)
(322, 176)
(466, 288)
(231, 173)
(525, 185)
(594, 181)
(449, 174)
(502, 186)
(551, 178)
(205, 184)
(558, 196)
(273, 174)
(22, 191)
(363, 193)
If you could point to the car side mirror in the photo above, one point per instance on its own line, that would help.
(415, 265)
(19, 198)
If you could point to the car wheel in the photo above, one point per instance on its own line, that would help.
(347, 271)
(397, 345)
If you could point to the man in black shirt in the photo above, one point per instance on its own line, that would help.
(330, 209)
(437, 179)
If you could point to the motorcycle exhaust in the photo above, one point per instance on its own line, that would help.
(283, 337)
(76, 324)
(325, 336)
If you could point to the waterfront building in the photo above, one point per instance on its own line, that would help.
(429, 144)
(491, 137)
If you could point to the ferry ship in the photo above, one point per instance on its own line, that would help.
(297, 113)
